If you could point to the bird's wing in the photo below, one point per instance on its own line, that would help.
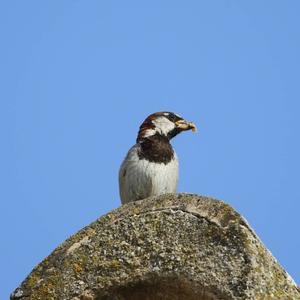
(134, 183)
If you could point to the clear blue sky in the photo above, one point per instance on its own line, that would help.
(77, 79)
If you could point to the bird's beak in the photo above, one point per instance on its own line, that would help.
(185, 125)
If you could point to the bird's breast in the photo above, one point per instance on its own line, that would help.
(146, 178)
(163, 177)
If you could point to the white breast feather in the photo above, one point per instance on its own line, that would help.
(139, 178)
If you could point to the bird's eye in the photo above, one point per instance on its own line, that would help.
(172, 117)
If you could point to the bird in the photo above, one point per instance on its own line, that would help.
(150, 167)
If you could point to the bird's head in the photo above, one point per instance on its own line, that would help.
(166, 124)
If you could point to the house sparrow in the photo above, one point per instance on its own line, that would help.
(151, 165)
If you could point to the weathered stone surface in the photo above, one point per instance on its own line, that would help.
(169, 247)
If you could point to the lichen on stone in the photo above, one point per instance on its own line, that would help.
(174, 246)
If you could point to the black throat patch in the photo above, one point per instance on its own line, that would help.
(156, 149)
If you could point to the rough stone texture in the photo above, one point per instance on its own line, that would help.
(169, 247)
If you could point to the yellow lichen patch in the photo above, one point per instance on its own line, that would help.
(43, 292)
(90, 231)
(114, 264)
(109, 215)
(77, 268)
(135, 211)
(32, 280)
